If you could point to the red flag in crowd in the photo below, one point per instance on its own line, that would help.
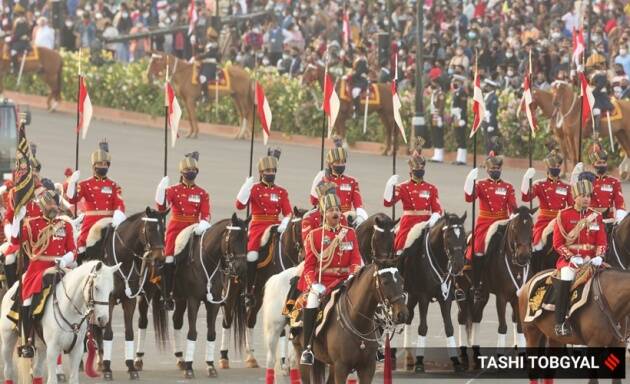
(174, 111)
(578, 45)
(588, 100)
(528, 101)
(396, 103)
(331, 101)
(479, 108)
(85, 108)
(264, 112)
(192, 17)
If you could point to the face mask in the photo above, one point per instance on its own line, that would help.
(339, 169)
(418, 173)
(556, 35)
(601, 169)
(494, 175)
(554, 172)
(190, 175)
(269, 178)
(101, 171)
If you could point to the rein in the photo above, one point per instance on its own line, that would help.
(560, 121)
(615, 249)
(601, 301)
(298, 247)
(512, 250)
(209, 277)
(445, 282)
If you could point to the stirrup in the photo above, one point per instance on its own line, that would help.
(249, 300)
(460, 295)
(26, 351)
(562, 329)
(169, 303)
(477, 294)
(307, 357)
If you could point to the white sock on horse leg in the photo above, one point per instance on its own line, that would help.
(501, 338)
(522, 343)
(283, 347)
(451, 346)
(107, 349)
(209, 351)
(129, 350)
(142, 336)
(475, 334)
(177, 340)
(225, 339)
(406, 341)
(462, 335)
(420, 345)
(249, 340)
(514, 327)
(190, 350)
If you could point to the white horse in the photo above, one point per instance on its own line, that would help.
(81, 293)
(274, 323)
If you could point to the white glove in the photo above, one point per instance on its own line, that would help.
(490, 129)
(577, 260)
(434, 218)
(620, 214)
(118, 218)
(388, 195)
(318, 288)
(66, 260)
(486, 115)
(456, 113)
(72, 184)
(361, 214)
(597, 261)
(470, 181)
(160, 191)
(316, 180)
(283, 224)
(7, 231)
(579, 168)
(246, 188)
(462, 123)
(201, 227)
(529, 174)
(17, 219)
(3, 189)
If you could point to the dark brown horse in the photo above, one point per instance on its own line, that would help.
(506, 268)
(186, 87)
(349, 339)
(208, 269)
(376, 238)
(429, 266)
(315, 74)
(136, 243)
(618, 251)
(282, 251)
(43, 61)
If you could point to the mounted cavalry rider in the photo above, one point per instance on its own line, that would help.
(459, 108)
(47, 240)
(210, 59)
(190, 204)
(596, 63)
(347, 186)
(332, 256)
(491, 119)
(579, 236)
(20, 42)
(359, 79)
(266, 201)
(496, 202)
(437, 104)
(102, 197)
(607, 194)
(552, 193)
(419, 199)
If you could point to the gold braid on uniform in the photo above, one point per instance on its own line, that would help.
(329, 252)
(36, 248)
(573, 235)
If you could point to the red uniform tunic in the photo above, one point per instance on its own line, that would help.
(313, 220)
(189, 204)
(266, 202)
(102, 196)
(419, 201)
(496, 202)
(553, 196)
(345, 259)
(591, 240)
(347, 190)
(61, 242)
(607, 194)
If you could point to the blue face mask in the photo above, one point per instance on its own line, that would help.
(601, 169)
(190, 175)
(269, 178)
(494, 175)
(418, 173)
(339, 169)
(101, 171)
(554, 172)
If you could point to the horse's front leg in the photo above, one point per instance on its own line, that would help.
(108, 342)
(226, 333)
(341, 373)
(445, 308)
(366, 373)
(143, 323)
(519, 336)
(191, 339)
(48, 353)
(212, 310)
(178, 323)
(423, 327)
(75, 360)
(410, 360)
(501, 303)
(129, 306)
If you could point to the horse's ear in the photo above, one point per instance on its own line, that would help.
(532, 211)
(378, 222)
(296, 211)
(463, 217)
(98, 266)
(148, 211)
(234, 219)
(116, 267)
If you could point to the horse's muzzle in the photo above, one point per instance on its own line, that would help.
(401, 314)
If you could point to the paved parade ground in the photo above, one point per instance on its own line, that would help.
(137, 166)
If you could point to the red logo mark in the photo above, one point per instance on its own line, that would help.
(611, 362)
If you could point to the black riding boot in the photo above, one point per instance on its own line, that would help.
(597, 120)
(15, 64)
(10, 271)
(251, 279)
(205, 95)
(562, 327)
(477, 269)
(357, 107)
(168, 274)
(26, 350)
(308, 328)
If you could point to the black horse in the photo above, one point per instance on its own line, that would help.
(136, 243)
(429, 266)
(506, 268)
(618, 252)
(376, 238)
(207, 270)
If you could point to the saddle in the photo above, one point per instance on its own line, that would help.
(222, 83)
(346, 92)
(541, 295)
(32, 53)
(52, 276)
(616, 113)
(296, 301)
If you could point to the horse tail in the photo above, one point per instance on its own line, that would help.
(160, 320)
(239, 318)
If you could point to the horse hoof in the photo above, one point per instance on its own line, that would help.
(138, 364)
(419, 368)
(224, 364)
(108, 376)
(251, 362)
(81, 366)
(181, 365)
(61, 378)
(410, 362)
(99, 366)
(189, 374)
(458, 367)
(211, 370)
(284, 368)
(134, 375)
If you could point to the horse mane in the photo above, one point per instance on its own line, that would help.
(361, 272)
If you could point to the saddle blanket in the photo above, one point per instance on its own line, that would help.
(346, 93)
(50, 278)
(616, 114)
(541, 295)
(32, 53)
(293, 309)
(222, 84)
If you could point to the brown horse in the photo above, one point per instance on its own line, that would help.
(187, 89)
(568, 104)
(376, 238)
(315, 73)
(42, 61)
(349, 338)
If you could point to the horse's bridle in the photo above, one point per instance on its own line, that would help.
(376, 228)
(454, 228)
(296, 242)
(227, 253)
(510, 247)
(573, 101)
(445, 279)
